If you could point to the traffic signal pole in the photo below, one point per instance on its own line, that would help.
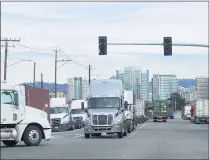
(159, 44)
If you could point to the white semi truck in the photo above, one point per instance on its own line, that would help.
(129, 112)
(105, 111)
(24, 115)
(78, 113)
(60, 113)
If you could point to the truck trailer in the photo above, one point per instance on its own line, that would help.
(200, 111)
(160, 111)
(25, 115)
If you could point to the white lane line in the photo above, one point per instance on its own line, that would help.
(196, 126)
(136, 131)
(78, 136)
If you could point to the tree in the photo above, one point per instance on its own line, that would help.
(176, 101)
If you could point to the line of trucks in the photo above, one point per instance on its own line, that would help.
(197, 112)
(28, 113)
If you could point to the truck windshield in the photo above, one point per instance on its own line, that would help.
(104, 102)
(7, 97)
(77, 111)
(57, 110)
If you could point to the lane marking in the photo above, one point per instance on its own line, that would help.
(189, 122)
(136, 131)
(78, 136)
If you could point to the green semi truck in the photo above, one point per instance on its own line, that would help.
(160, 111)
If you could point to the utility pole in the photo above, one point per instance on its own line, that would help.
(34, 74)
(6, 54)
(42, 80)
(55, 71)
(89, 74)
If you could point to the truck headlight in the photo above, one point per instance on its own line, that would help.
(118, 120)
(87, 121)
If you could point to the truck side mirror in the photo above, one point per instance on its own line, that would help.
(82, 106)
(86, 110)
(16, 99)
(126, 105)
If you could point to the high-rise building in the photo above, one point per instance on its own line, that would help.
(78, 87)
(74, 88)
(163, 86)
(144, 89)
(85, 88)
(119, 75)
(132, 79)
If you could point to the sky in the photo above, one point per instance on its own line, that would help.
(74, 29)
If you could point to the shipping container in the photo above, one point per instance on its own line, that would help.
(160, 111)
(38, 98)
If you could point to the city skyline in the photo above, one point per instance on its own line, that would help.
(130, 22)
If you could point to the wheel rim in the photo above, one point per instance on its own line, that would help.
(34, 136)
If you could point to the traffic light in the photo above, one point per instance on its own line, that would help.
(102, 45)
(167, 42)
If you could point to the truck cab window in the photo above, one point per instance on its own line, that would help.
(7, 97)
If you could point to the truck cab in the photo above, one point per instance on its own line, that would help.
(105, 110)
(24, 115)
(61, 119)
(78, 113)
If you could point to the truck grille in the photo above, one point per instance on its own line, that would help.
(56, 121)
(102, 119)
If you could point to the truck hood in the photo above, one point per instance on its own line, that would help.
(103, 111)
(79, 115)
(60, 115)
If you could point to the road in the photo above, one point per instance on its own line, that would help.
(176, 139)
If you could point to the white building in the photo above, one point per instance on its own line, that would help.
(163, 86)
(144, 89)
(132, 79)
(85, 88)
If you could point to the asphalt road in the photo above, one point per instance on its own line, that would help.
(176, 139)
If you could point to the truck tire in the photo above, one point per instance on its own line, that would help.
(32, 136)
(9, 143)
(87, 135)
(120, 134)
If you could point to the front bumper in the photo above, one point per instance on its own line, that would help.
(103, 129)
(56, 128)
(47, 133)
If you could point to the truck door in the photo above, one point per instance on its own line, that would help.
(10, 111)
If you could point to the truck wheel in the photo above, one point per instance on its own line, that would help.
(87, 135)
(120, 134)
(32, 136)
(9, 143)
(129, 129)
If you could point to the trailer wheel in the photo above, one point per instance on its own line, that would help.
(120, 134)
(87, 135)
(32, 136)
(9, 143)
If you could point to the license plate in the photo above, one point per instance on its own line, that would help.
(56, 127)
(104, 133)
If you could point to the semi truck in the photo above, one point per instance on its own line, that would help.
(140, 111)
(160, 112)
(78, 113)
(200, 111)
(129, 112)
(105, 110)
(186, 112)
(60, 113)
(24, 115)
